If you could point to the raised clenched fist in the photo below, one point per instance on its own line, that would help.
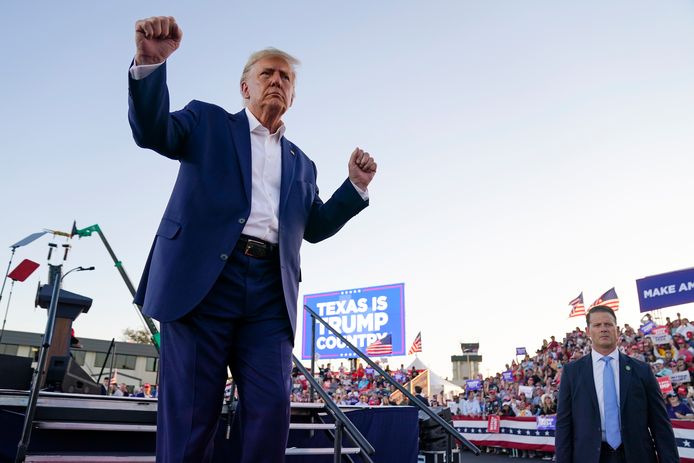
(156, 38)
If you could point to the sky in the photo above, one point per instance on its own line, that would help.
(527, 151)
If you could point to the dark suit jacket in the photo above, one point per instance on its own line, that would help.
(211, 199)
(422, 398)
(645, 426)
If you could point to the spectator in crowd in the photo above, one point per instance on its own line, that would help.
(418, 395)
(660, 369)
(549, 406)
(145, 391)
(493, 403)
(116, 390)
(506, 410)
(105, 386)
(471, 406)
(677, 409)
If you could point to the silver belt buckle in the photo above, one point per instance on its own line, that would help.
(250, 244)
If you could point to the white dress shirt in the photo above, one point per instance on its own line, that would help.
(266, 169)
(598, 372)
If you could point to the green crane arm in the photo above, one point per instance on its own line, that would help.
(84, 232)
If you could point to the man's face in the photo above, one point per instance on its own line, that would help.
(269, 86)
(603, 332)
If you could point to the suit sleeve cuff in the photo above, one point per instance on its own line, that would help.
(143, 70)
(363, 193)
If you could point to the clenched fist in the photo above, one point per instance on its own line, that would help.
(362, 168)
(156, 38)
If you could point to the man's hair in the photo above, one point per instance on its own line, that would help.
(600, 308)
(418, 389)
(268, 53)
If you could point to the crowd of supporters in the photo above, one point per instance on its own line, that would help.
(528, 387)
(542, 372)
(360, 386)
(502, 394)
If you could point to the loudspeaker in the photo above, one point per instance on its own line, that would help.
(431, 434)
(64, 374)
(16, 372)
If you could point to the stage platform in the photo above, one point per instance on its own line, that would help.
(92, 428)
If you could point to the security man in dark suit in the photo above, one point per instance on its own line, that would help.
(610, 406)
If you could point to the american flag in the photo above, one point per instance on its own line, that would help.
(609, 299)
(577, 307)
(382, 346)
(416, 345)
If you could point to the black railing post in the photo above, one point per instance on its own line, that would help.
(449, 452)
(338, 442)
(313, 353)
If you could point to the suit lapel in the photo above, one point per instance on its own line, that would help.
(587, 373)
(241, 134)
(288, 165)
(624, 379)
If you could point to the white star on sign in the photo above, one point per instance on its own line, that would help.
(686, 443)
(527, 433)
(537, 433)
(519, 431)
(546, 433)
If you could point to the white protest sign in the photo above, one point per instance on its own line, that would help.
(661, 338)
(680, 377)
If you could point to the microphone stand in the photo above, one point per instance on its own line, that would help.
(40, 366)
(39, 372)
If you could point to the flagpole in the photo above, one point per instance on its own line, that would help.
(4, 280)
(9, 298)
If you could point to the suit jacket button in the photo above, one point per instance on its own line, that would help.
(223, 257)
(242, 220)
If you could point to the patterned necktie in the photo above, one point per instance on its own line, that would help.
(612, 433)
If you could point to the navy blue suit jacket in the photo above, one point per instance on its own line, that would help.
(645, 426)
(211, 199)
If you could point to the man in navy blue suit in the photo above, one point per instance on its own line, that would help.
(223, 273)
(610, 406)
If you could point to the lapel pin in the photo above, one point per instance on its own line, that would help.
(292, 151)
(627, 368)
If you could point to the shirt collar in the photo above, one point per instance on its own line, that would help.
(255, 125)
(597, 355)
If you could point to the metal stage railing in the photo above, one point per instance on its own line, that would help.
(451, 432)
(341, 420)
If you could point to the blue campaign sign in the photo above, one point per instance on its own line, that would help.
(473, 385)
(666, 289)
(546, 422)
(648, 327)
(362, 315)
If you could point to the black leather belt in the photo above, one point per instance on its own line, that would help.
(257, 248)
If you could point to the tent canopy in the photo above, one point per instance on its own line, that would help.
(436, 382)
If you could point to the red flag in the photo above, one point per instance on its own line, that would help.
(23, 270)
